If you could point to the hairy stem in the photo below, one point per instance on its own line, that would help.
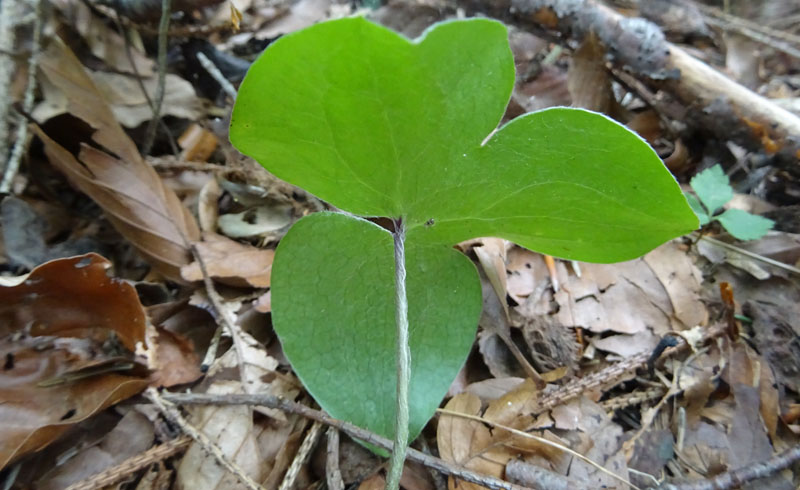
(403, 360)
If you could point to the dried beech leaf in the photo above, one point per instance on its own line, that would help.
(131, 193)
(64, 331)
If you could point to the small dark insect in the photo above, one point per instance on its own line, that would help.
(430, 222)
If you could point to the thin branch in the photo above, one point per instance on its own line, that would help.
(302, 455)
(171, 412)
(163, 33)
(333, 475)
(271, 401)
(403, 360)
(217, 75)
(12, 167)
(132, 465)
(10, 13)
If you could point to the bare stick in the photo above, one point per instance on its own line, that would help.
(302, 455)
(333, 475)
(172, 413)
(10, 13)
(163, 33)
(27, 104)
(718, 103)
(403, 360)
(271, 401)
(217, 75)
(131, 465)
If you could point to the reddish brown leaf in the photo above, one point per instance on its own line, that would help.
(65, 330)
(231, 262)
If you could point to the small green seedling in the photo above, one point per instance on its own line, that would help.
(713, 189)
(380, 126)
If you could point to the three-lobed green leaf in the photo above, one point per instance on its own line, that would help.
(713, 189)
(378, 125)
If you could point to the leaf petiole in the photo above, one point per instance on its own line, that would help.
(403, 354)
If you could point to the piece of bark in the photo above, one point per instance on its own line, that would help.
(716, 103)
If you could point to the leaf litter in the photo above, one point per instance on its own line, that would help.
(721, 407)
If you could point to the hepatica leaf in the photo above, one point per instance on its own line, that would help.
(378, 125)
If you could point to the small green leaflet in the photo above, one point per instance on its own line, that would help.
(714, 190)
(378, 125)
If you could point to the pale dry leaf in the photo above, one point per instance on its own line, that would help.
(134, 198)
(208, 205)
(103, 40)
(230, 262)
(468, 443)
(682, 281)
(257, 221)
(131, 436)
(492, 257)
(130, 106)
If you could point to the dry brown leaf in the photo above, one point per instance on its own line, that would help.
(73, 297)
(197, 143)
(588, 79)
(176, 361)
(130, 192)
(52, 380)
(681, 279)
(131, 436)
(231, 262)
(468, 442)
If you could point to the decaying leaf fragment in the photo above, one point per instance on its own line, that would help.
(67, 333)
(131, 193)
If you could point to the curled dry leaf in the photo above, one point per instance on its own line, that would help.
(67, 331)
(230, 262)
(131, 193)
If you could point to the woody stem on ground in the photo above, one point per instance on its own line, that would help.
(403, 354)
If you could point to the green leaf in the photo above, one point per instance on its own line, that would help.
(378, 125)
(745, 226)
(333, 308)
(698, 208)
(712, 187)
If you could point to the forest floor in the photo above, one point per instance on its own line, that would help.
(145, 232)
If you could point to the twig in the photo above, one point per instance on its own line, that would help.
(540, 440)
(223, 318)
(777, 39)
(163, 28)
(752, 255)
(613, 373)
(12, 167)
(172, 413)
(10, 13)
(129, 54)
(403, 354)
(739, 477)
(302, 455)
(131, 465)
(333, 475)
(271, 401)
(217, 75)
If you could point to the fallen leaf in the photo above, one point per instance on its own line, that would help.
(177, 362)
(197, 143)
(230, 262)
(588, 80)
(467, 442)
(132, 435)
(130, 192)
(67, 333)
(259, 220)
